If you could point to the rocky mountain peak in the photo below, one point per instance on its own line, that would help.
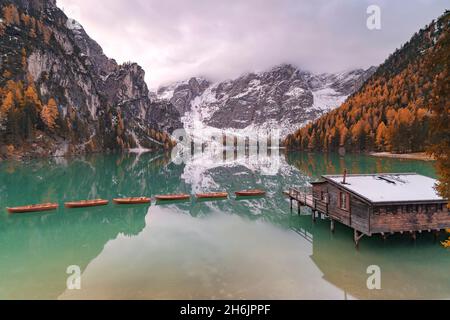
(284, 96)
(281, 72)
(197, 85)
(90, 50)
(182, 93)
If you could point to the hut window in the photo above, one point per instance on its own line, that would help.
(343, 201)
(323, 196)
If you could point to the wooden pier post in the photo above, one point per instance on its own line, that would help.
(356, 237)
(436, 235)
(332, 225)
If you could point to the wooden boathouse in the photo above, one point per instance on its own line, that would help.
(382, 204)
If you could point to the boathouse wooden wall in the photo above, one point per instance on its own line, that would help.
(357, 215)
(414, 217)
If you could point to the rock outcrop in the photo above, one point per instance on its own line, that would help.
(99, 104)
(284, 97)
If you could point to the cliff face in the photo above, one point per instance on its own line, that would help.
(60, 94)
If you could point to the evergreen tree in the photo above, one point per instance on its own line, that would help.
(49, 114)
(438, 65)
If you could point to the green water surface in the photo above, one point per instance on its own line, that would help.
(233, 248)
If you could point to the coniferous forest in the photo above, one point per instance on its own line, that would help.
(52, 96)
(403, 107)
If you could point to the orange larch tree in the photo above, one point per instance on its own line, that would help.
(49, 114)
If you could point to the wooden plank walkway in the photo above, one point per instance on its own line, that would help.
(304, 197)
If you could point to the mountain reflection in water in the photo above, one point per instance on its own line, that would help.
(246, 249)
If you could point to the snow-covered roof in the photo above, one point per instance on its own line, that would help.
(389, 187)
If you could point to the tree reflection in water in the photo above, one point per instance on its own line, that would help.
(36, 249)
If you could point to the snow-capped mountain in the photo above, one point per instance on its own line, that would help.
(284, 97)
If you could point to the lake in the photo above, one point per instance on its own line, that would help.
(228, 249)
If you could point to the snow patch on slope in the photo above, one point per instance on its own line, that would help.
(327, 99)
(285, 98)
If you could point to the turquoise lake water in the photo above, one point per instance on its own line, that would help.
(228, 249)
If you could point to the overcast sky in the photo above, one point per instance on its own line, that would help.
(176, 39)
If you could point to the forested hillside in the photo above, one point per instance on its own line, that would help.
(403, 107)
(392, 111)
(59, 93)
(439, 146)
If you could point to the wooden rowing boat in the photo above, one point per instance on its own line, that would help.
(86, 203)
(34, 208)
(250, 193)
(166, 197)
(140, 200)
(212, 195)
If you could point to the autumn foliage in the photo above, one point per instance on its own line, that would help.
(11, 15)
(19, 112)
(438, 64)
(403, 107)
(49, 114)
(377, 118)
(32, 110)
(392, 110)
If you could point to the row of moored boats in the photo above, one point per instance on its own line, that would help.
(133, 200)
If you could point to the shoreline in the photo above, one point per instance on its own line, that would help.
(32, 156)
(409, 156)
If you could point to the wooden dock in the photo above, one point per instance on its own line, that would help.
(304, 198)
